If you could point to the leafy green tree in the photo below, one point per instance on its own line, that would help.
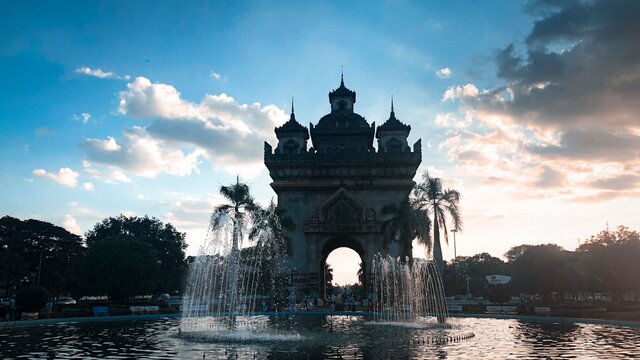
(476, 267)
(404, 222)
(32, 298)
(362, 273)
(24, 243)
(121, 268)
(431, 197)
(13, 268)
(610, 261)
(241, 211)
(543, 269)
(328, 279)
(271, 228)
(161, 243)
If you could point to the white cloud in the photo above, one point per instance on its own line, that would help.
(65, 176)
(83, 212)
(99, 73)
(215, 76)
(109, 144)
(444, 73)
(88, 186)
(456, 92)
(193, 213)
(110, 177)
(94, 72)
(84, 117)
(143, 154)
(228, 134)
(451, 120)
(70, 223)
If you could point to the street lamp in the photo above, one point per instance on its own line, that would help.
(40, 265)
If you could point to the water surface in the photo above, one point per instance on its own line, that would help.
(326, 337)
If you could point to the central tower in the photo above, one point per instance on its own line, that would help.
(335, 190)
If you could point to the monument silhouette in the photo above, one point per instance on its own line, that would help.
(334, 190)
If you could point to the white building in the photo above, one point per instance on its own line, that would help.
(498, 279)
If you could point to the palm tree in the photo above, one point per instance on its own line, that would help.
(432, 198)
(241, 209)
(406, 221)
(328, 279)
(274, 222)
(362, 273)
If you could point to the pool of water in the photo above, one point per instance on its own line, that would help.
(325, 337)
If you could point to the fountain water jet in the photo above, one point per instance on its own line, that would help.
(233, 270)
(407, 293)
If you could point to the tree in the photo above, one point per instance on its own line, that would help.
(121, 269)
(610, 261)
(271, 228)
(431, 197)
(241, 210)
(13, 268)
(24, 243)
(543, 269)
(476, 267)
(129, 249)
(32, 298)
(362, 273)
(328, 279)
(404, 222)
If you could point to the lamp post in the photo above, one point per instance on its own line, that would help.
(455, 254)
(40, 265)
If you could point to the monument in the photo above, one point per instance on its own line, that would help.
(335, 187)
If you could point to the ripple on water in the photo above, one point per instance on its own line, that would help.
(323, 337)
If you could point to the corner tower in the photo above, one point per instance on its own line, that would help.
(335, 190)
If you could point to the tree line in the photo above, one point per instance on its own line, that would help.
(120, 257)
(605, 263)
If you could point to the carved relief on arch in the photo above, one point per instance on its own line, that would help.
(342, 207)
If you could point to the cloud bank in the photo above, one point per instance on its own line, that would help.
(566, 116)
(181, 133)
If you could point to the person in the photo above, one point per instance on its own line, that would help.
(351, 302)
(47, 308)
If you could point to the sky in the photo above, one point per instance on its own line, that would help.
(529, 109)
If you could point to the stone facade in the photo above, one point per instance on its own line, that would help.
(335, 190)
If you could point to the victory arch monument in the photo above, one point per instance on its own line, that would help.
(334, 188)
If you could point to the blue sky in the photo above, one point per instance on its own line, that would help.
(147, 107)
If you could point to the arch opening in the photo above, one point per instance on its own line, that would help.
(343, 268)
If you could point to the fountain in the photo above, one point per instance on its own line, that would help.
(404, 292)
(236, 274)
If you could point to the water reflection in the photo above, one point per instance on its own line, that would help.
(327, 337)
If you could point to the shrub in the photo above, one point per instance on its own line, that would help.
(32, 298)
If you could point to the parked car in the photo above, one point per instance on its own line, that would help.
(66, 301)
(6, 301)
(162, 297)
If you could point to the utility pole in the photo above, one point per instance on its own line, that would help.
(468, 294)
(455, 254)
(40, 266)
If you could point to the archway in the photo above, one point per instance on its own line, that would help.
(339, 244)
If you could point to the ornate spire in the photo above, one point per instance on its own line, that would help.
(392, 124)
(292, 126)
(342, 91)
(293, 113)
(393, 113)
